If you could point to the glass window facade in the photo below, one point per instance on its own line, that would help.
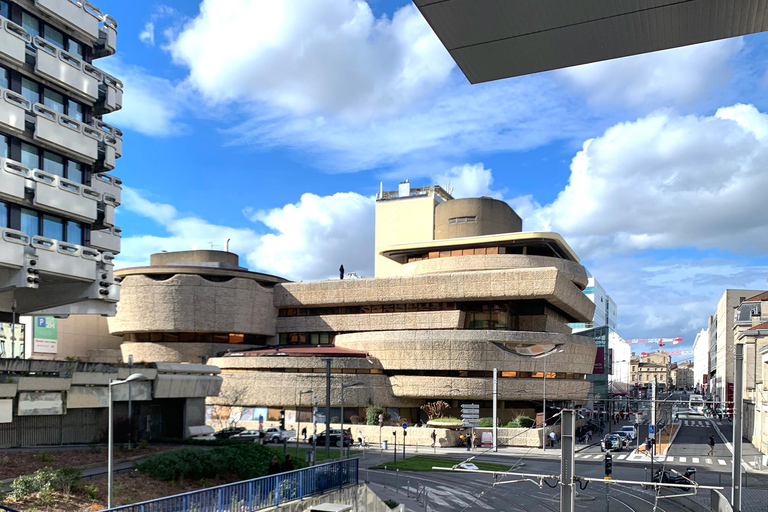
(55, 37)
(53, 100)
(30, 90)
(30, 24)
(30, 156)
(3, 146)
(53, 163)
(30, 222)
(3, 215)
(74, 232)
(53, 227)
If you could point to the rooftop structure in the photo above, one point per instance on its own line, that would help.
(494, 39)
(57, 201)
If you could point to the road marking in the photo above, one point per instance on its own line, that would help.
(695, 460)
(721, 462)
(682, 459)
(434, 498)
(708, 461)
(622, 457)
(670, 459)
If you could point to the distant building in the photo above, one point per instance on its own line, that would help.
(681, 375)
(611, 374)
(605, 308)
(701, 360)
(646, 369)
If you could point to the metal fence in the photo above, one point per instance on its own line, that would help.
(7, 509)
(256, 494)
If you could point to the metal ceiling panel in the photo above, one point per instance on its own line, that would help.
(493, 39)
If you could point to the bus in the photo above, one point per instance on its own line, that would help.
(696, 404)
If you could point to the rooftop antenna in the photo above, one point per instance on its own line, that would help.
(226, 244)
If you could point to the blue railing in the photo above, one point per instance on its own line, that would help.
(256, 494)
(7, 509)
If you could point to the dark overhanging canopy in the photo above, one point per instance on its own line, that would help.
(494, 39)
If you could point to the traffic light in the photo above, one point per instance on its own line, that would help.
(282, 419)
(608, 464)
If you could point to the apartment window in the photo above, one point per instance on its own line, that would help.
(3, 146)
(75, 171)
(54, 100)
(53, 227)
(462, 220)
(4, 9)
(3, 215)
(30, 90)
(30, 156)
(4, 78)
(30, 24)
(30, 222)
(55, 37)
(75, 110)
(53, 163)
(74, 232)
(76, 49)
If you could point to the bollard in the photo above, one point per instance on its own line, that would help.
(385, 477)
(408, 488)
(397, 481)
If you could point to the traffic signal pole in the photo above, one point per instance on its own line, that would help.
(738, 425)
(567, 447)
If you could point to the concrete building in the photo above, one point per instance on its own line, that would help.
(701, 360)
(649, 367)
(57, 199)
(605, 308)
(498, 39)
(610, 377)
(459, 290)
(751, 330)
(721, 336)
(681, 375)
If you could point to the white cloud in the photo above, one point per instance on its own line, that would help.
(667, 181)
(469, 181)
(324, 57)
(147, 36)
(680, 76)
(307, 240)
(151, 105)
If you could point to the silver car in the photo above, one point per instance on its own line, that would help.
(611, 443)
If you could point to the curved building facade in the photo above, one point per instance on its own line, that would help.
(443, 311)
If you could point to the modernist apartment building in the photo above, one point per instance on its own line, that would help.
(57, 199)
(459, 290)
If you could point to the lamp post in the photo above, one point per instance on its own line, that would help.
(343, 387)
(134, 377)
(298, 418)
(544, 407)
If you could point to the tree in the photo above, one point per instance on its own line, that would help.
(435, 410)
(231, 398)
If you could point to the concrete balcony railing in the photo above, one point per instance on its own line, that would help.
(63, 68)
(108, 185)
(13, 42)
(86, 19)
(107, 239)
(64, 259)
(13, 179)
(111, 147)
(60, 195)
(111, 93)
(13, 110)
(13, 243)
(66, 134)
(109, 205)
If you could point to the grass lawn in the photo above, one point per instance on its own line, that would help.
(422, 463)
(303, 452)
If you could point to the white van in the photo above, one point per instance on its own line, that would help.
(631, 430)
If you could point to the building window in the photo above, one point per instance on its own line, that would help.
(30, 222)
(30, 24)
(74, 232)
(30, 90)
(75, 110)
(54, 101)
(3, 146)
(54, 37)
(53, 163)
(53, 227)
(462, 220)
(4, 9)
(4, 74)
(3, 215)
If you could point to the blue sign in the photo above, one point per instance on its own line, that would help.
(405, 425)
(651, 429)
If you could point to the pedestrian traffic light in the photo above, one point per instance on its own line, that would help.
(282, 419)
(608, 464)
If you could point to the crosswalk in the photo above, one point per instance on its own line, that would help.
(448, 498)
(696, 423)
(638, 457)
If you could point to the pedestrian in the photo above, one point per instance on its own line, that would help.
(274, 466)
(475, 441)
(434, 437)
(648, 446)
(552, 439)
(287, 464)
(711, 445)
(304, 433)
(360, 439)
(590, 433)
(468, 440)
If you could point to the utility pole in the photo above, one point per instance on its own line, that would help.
(567, 447)
(738, 425)
(328, 408)
(495, 408)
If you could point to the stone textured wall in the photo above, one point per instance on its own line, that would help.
(491, 217)
(177, 352)
(477, 388)
(469, 350)
(191, 303)
(515, 284)
(372, 322)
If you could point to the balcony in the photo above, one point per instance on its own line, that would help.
(13, 42)
(86, 19)
(109, 205)
(12, 247)
(69, 136)
(13, 179)
(13, 110)
(64, 259)
(111, 93)
(64, 69)
(112, 146)
(106, 184)
(107, 239)
(57, 194)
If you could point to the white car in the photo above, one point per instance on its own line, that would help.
(630, 429)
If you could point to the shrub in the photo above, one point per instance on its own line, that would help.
(45, 457)
(91, 491)
(42, 482)
(521, 422)
(334, 419)
(485, 422)
(67, 478)
(372, 414)
(435, 409)
(354, 420)
(391, 503)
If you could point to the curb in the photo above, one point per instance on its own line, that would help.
(746, 467)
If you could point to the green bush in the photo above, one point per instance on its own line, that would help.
(43, 482)
(521, 422)
(391, 503)
(372, 414)
(485, 422)
(91, 491)
(242, 460)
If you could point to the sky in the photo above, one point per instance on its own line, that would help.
(274, 123)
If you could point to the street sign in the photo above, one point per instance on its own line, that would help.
(405, 425)
(470, 406)
(470, 423)
(651, 429)
(470, 416)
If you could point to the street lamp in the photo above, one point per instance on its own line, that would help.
(134, 377)
(298, 414)
(544, 408)
(344, 386)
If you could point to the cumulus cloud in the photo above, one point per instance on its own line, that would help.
(143, 94)
(680, 76)
(324, 57)
(469, 181)
(305, 240)
(666, 181)
(147, 35)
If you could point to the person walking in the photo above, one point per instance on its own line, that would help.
(433, 435)
(711, 445)
(552, 439)
(475, 441)
(304, 433)
(468, 440)
(287, 464)
(274, 466)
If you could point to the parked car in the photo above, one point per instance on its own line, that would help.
(252, 435)
(611, 443)
(631, 430)
(626, 438)
(228, 432)
(278, 435)
(335, 435)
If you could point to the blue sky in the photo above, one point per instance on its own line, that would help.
(273, 123)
